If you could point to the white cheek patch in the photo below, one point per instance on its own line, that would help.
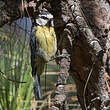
(52, 24)
(41, 21)
(49, 16)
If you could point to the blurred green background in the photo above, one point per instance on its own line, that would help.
(16, 82)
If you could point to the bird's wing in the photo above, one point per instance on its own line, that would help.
(36, 67)
(37, 62)
(33, 51)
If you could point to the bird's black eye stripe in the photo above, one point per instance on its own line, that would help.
(44, 17)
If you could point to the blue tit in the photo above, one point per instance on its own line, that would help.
(43, 45)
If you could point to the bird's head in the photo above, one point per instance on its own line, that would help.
(45, 19)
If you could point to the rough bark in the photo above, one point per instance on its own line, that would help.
(82, 29)
(86, 62)
(8, 12)
(87, 53)
(60, 100)
(15, 9)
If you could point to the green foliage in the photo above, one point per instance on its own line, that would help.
(52, 67)
(14, 68)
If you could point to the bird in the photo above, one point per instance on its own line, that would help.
(43, 46)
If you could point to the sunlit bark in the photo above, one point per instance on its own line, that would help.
(82, 29)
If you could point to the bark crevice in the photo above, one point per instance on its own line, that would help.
(82, 29)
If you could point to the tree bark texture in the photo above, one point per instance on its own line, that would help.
(82, 28)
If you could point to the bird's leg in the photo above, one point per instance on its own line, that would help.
(37, 88)
(60, 56)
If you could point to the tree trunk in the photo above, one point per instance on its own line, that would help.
(88, 52)
(82, 28)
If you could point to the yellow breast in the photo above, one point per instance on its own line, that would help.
(46, 40)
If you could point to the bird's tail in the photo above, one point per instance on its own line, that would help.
(37, 88)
